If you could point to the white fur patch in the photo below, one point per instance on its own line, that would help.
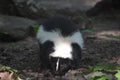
(62, 49)
(62, 44)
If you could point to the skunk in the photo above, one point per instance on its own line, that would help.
(60, 44)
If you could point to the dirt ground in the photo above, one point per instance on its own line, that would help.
(101, 47)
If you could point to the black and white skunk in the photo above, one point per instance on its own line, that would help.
(60, 43)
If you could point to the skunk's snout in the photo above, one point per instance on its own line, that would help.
(63, 68)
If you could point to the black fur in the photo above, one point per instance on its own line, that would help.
(45, 50)
(66, 26)
(76, 53)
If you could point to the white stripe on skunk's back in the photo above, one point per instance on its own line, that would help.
(62, 45)
(62, 49)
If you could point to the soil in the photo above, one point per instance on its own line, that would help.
(101, 47)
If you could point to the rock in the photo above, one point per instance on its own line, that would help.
(8, 7)
(77, 16)
(103, 5)
(94, 74)
(14, 28)
(74, 75)
(34, 5)
(44, 8)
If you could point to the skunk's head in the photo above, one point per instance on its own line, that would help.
(60, 44)
(59, 66)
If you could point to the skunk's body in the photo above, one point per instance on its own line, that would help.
(60, 44)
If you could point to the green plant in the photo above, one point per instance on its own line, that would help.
(103, 77)
(117, 37)
(115, 71)
(35, 27)
(117, 75)
(96, 68)
(88, 30)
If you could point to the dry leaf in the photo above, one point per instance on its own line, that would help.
(6, 76)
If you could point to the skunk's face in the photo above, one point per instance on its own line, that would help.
(60, 65)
